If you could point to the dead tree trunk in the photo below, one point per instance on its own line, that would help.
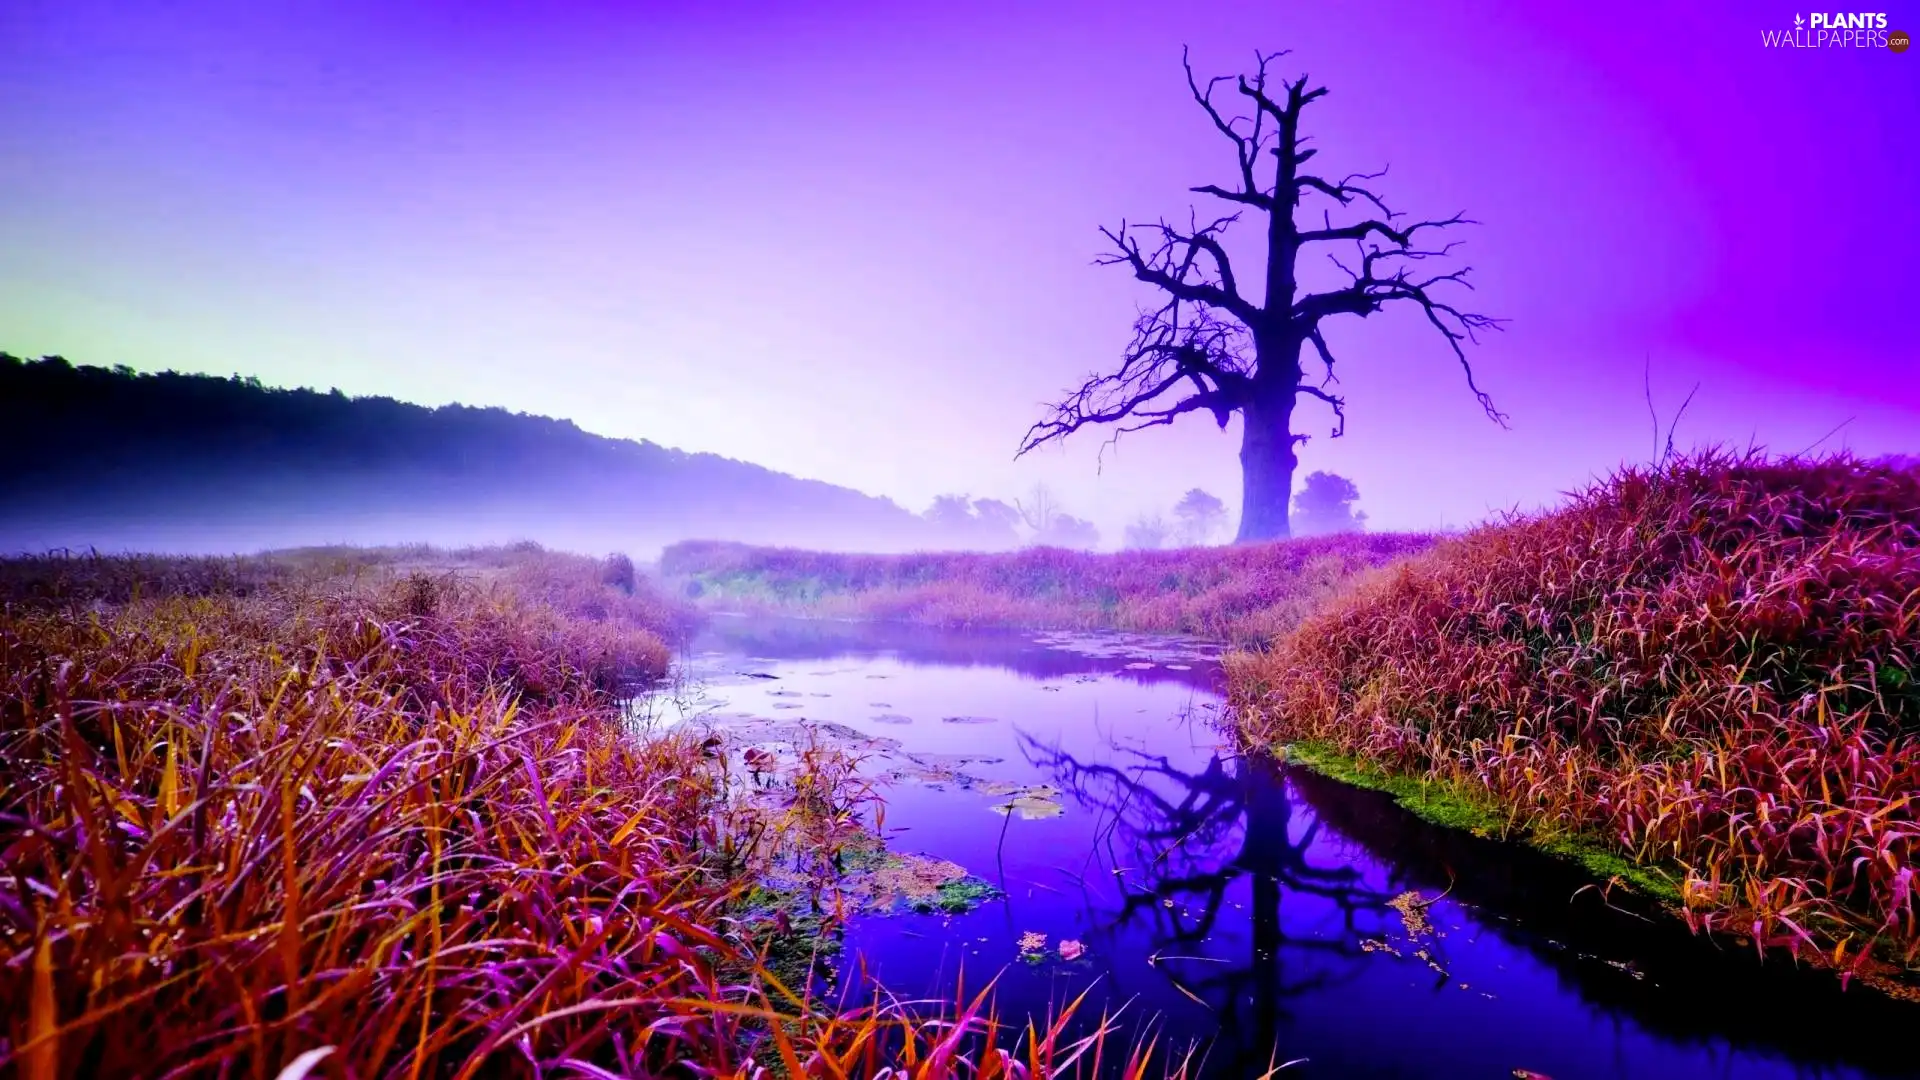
(1267, 462)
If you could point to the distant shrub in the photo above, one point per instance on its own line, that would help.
(618, 572)
(422, 594)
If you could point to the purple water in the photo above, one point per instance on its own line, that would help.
(1248, 909)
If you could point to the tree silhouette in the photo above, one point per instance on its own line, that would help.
(1193, 835)
(1217, 345)
(1325, 505)
(987, 524)
(1200, 515)
(1149, 532)
(1051, 525)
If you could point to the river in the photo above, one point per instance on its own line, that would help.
(1260, 912)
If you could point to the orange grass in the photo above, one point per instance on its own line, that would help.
(1708, 665)
(382, 815)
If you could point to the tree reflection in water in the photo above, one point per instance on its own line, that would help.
(1175, 844)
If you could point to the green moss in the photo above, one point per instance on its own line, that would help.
(782, 924)
(958, 897)
(1458, 806)
(1451, 805)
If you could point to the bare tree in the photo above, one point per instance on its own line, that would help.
(1038, 509)
(1214, 345)
(1148, 532)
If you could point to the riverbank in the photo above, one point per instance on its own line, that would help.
(1706, 669)
(1246, 594)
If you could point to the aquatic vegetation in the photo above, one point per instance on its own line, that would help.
(1705, 665)
(1033, 802)
(958, 896)
(1072, 950)
(1244, 593)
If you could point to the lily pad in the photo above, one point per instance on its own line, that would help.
(892, 718)
(1033, 804)
(968, 720)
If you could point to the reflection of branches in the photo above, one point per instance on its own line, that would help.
(1191, 836)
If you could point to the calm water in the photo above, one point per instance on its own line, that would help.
(1246, 906)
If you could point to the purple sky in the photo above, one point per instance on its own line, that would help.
(855, 243)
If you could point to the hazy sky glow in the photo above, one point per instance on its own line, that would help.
(854, 242)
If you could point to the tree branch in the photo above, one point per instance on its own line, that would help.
(1246, 148)
(1175, 344)
(1174, 265)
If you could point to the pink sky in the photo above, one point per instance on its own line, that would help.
(855, 243)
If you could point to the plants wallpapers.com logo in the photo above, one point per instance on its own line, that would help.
(1847, 30)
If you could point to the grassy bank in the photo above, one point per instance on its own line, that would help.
(1708, 667)
(382, 814)
(1248, 593)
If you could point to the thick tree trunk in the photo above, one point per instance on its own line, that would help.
(1266, 438)
(1266, 468)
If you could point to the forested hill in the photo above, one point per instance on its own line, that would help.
(113, 458)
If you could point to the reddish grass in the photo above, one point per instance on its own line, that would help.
(1245, 593)
(386, 812)
(1709, 665)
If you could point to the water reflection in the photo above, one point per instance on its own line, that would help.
(1260, 909)
(1187, 838)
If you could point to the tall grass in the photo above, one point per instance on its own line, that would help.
(1708, 666)
(1245, 593)
(358, 815)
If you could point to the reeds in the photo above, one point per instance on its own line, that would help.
(373, 816)
(1243, 593)
(1707, 666)
(400, 822)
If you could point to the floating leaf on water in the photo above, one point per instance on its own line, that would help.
(1071, 950)
(968, 720)
(1413, 913)
(1031, 807)
(892, 718)
(1033, 941)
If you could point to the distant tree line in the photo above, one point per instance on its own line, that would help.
(1323, 505)
(993, 525)
(114, 444)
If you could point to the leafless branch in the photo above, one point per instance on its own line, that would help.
(1177, 348)
(1174, 265)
